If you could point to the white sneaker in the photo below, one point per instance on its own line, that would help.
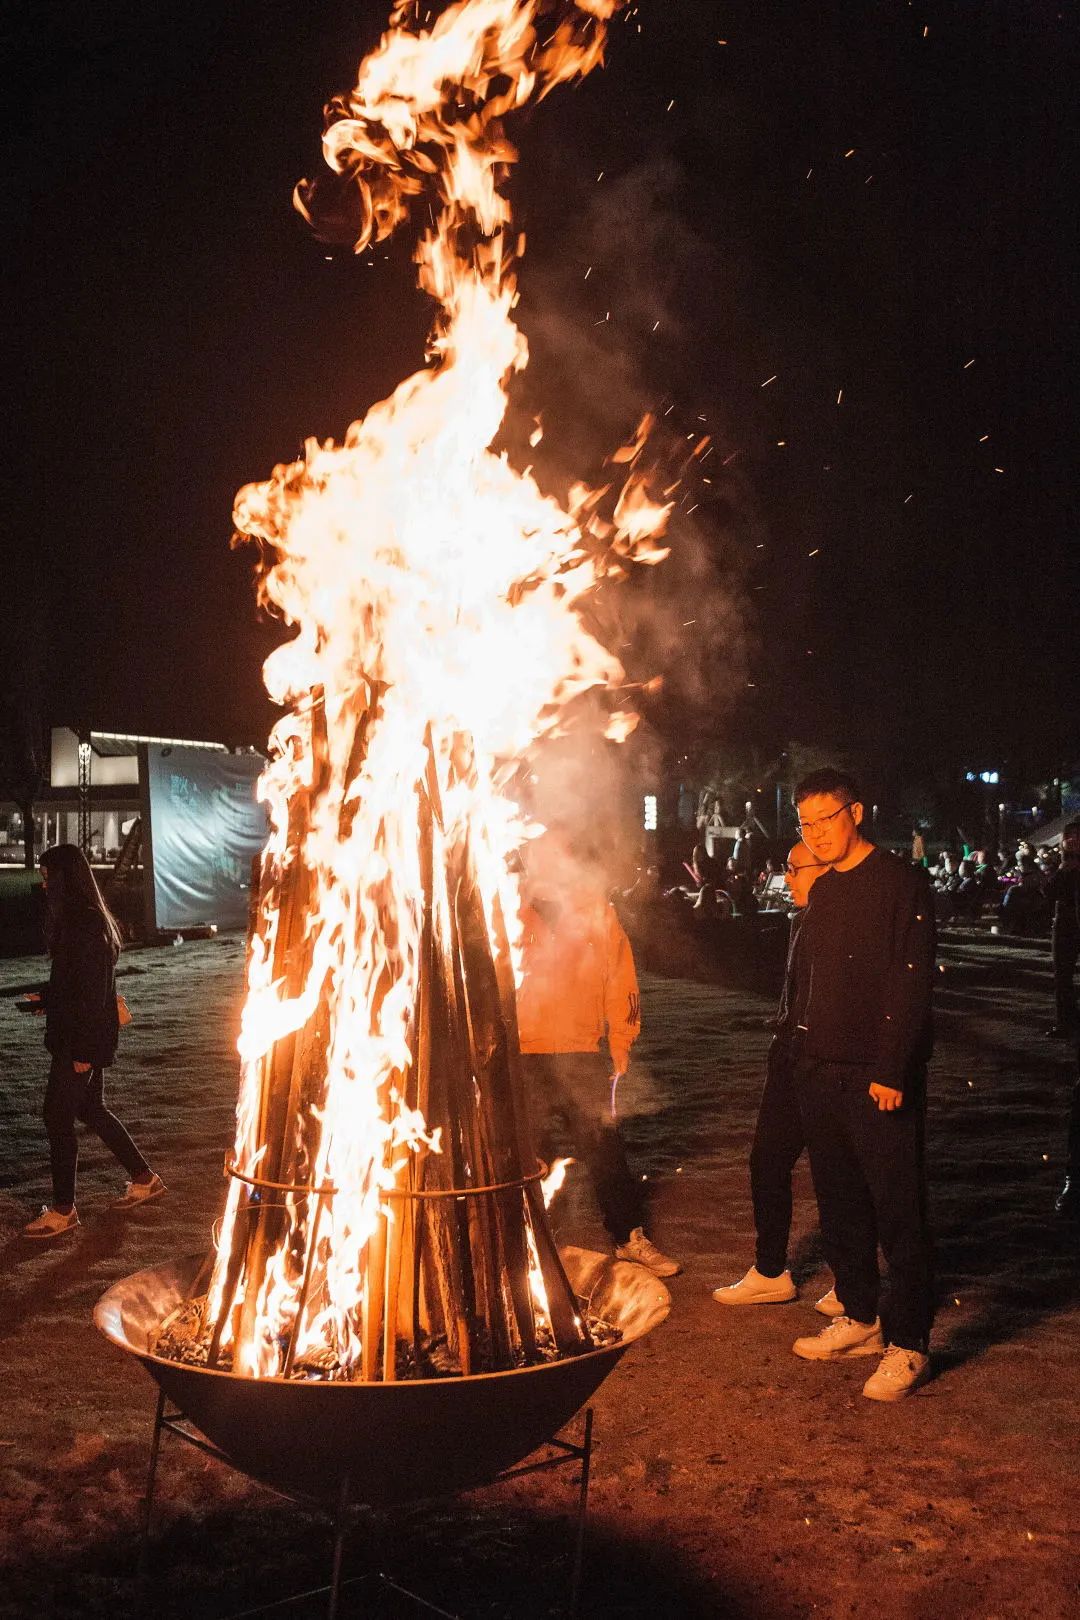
(898, 1373)
(140, 1192)
(757, 1289)
(842, 1337)
(50, 1223)
(829, 1305)
(637, 1247)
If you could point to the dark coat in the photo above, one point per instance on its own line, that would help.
(864, 968)
(81, 1020)
(1063, 897)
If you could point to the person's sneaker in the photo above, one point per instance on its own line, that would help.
(757, 1289)
(899, 1372)
(829, 1305)
(842, 1337)
(50, 1223)
(140, 1192)
(637, 1247)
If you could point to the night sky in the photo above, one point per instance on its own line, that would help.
(868, 202)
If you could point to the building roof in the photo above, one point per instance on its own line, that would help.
(119, 744)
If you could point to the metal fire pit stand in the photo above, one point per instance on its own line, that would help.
(345, 1514)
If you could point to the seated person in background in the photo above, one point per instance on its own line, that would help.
(948, 868)
(945, 884)
(635, 903)
(1048, 861)
(739, 886)
(986, 871)
(695, 873)
(967, 895)
(1024, 910)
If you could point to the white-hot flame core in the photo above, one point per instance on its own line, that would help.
(436, 586)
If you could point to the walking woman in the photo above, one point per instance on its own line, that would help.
(82, 1028)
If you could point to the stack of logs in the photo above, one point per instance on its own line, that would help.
(451, 1267)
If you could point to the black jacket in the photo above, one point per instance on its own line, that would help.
(864, 968)
(785, 1012)
(783, 1049)
(1063, 896)
(81, 1021)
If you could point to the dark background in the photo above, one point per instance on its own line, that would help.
(174, 331)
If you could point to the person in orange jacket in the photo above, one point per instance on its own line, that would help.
(579, 987)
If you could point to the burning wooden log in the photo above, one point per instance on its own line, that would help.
(460, 1252)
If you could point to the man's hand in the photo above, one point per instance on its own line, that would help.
(82, 1068)
(886, 1098)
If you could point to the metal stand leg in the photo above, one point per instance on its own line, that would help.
(344, 1514)
(151, 1479)
(583, 1507)
(341, 1525)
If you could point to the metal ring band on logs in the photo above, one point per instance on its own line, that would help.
(428, 1192)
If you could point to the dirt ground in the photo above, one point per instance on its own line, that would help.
(730, 1479)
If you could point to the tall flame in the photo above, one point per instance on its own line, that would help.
(436, 596)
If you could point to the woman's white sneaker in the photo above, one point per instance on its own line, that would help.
(757, 1289)
(50, 1223)
(899, 1372)
(842, 1337)
(829, 1305)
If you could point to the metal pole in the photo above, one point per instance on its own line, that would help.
(148, 1499)
(85, 757)
(583, 1503)
(341, 1524)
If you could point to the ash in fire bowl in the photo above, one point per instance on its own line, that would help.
(186, 1334)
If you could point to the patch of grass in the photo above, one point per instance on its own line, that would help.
(20, 924)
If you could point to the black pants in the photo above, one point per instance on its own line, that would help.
(1065, 951)
(870, 1181)
(1072, 1166)
(574, 1088)
(779, 1139)
(68, 1097)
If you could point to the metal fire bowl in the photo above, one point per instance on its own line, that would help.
(396, 1442)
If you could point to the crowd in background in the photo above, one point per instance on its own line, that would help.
(1011, 889)
(1014, 888)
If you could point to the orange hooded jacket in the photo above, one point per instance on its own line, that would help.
(578, 980)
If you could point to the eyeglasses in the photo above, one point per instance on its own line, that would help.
(823, 821)
(804, 866)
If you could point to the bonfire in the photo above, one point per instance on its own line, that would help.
(385, 1215)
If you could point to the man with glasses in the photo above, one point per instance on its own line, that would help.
(779, 1138)
(863, 983)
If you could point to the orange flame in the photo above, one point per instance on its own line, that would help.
(435, 590)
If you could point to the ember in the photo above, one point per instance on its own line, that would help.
(385, 1217)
